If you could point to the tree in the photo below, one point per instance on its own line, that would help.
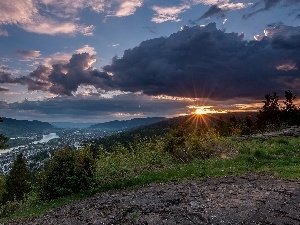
(68, 172)
(290, 112)
(3, 139)
(18, 180)
(270, 113)
(289, 104)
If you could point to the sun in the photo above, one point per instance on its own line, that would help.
(200, 111)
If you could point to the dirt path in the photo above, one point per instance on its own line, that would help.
(248, 199)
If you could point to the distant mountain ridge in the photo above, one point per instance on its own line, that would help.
(12, 127)
(71, 125)
(127, 124)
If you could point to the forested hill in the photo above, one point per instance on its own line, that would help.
(126, 124)
(12, 127)
(159, 128)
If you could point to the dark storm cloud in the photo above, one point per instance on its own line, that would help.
(63, 79)
(206, 60)
(194, 62)
(269, 4)
(213, 10)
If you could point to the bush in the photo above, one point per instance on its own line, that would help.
(141, 157)
(186, 145)
(68, 172)
(10, 207)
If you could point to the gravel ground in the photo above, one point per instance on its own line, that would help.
(249, 199)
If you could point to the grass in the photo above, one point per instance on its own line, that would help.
(148, 162)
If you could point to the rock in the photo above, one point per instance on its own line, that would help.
(248, 199)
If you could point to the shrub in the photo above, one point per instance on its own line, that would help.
(203, 143)
(141, 157)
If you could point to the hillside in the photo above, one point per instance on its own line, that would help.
(147, 131)
(161, 128)
(126, 124)
(14, 128)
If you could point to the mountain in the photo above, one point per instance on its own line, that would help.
(14, 128)
(126, 124)
(70, 125)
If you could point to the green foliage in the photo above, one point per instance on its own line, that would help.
(186, 144)
(10, 207)
(2, 189)
(140, 157)
(3, 141)
(272, 117)
(18, 180)
(68, 172)
(146, 161)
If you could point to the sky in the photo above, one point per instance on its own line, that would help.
(102, 60)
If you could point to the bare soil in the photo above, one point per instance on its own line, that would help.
(248, 199)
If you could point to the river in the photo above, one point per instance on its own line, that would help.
(45, 139)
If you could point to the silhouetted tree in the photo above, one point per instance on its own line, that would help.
(289, 104)
(270, 113)
(17, 180)
(290, 112)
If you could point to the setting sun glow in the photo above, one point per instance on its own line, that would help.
(201, 110)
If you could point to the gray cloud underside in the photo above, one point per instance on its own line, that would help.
(195, 62)
(63, 79)
(105, 109)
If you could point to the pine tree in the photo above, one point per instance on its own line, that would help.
(18, 180)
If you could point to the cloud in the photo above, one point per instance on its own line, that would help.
(3, 89)
(88, 31)
(51, 27)
(86, 49)
(55, 17)
(206, 60)
(26, 14)
(28, 54)
(164, 14)
(128, 7)
(219, 9)
(17, 11)
(96, 108)
(151, 29)
(63, 78)
(71, 7)
(3, 33)
(269, 4)
(194, 62)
